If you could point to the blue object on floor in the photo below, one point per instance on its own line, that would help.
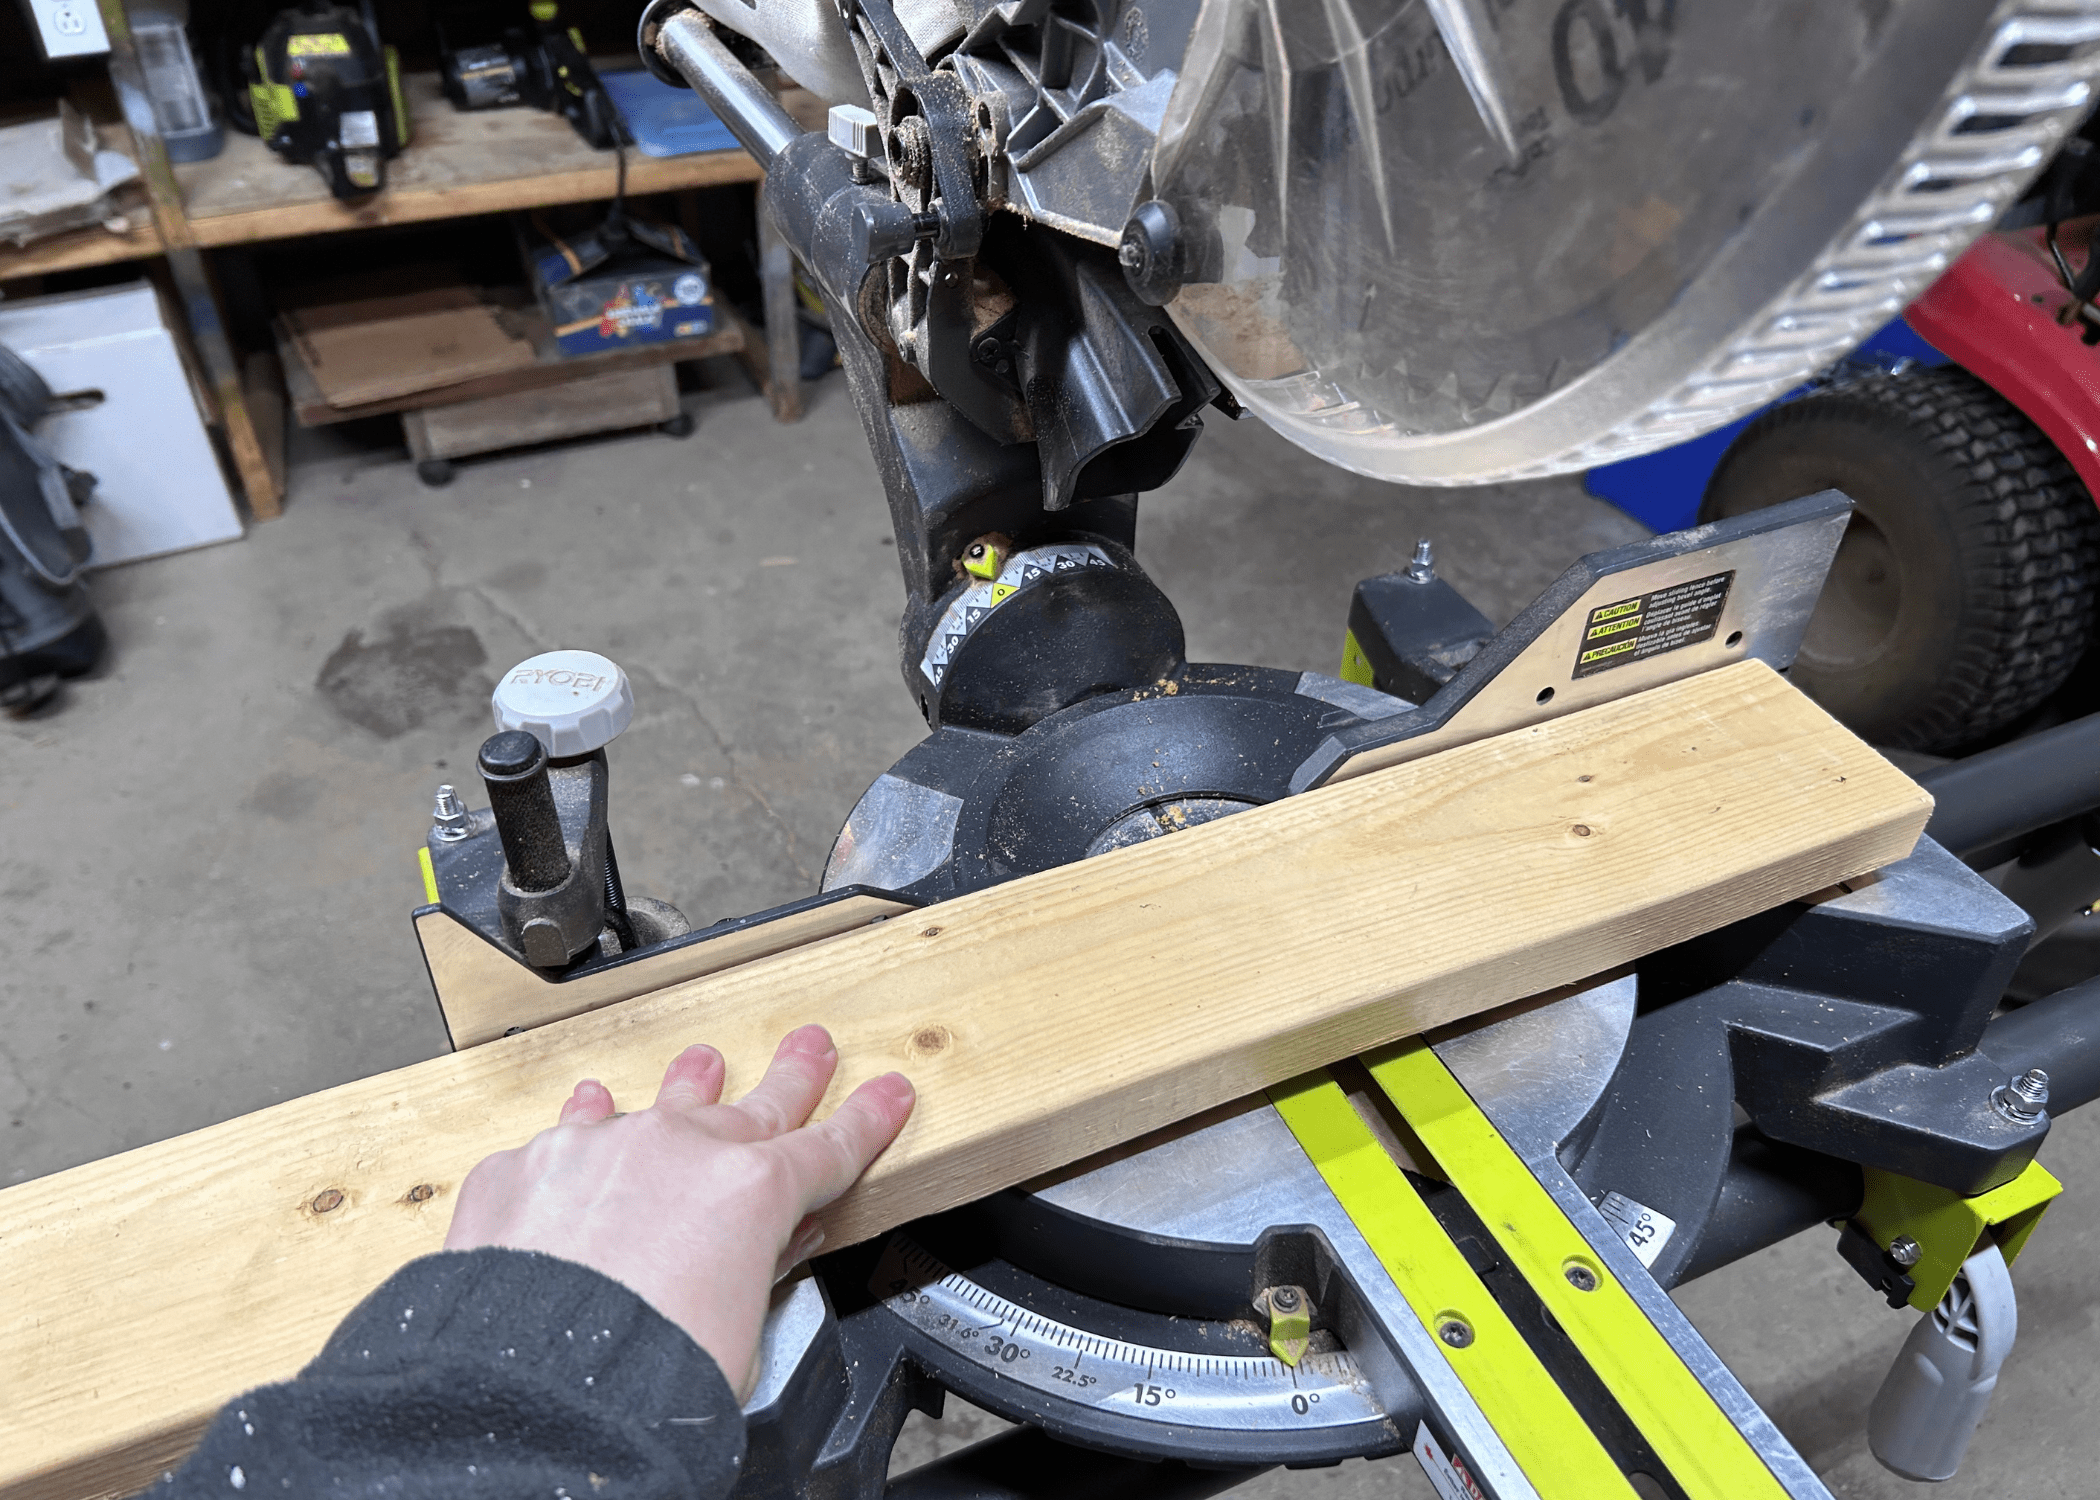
(1662, 490)
(665, 121)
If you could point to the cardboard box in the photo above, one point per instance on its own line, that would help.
(127, 414)
(374, 348)
(635, 295)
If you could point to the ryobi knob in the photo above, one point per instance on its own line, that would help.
(572, 702)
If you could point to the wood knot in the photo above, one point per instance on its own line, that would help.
(928, 1040)
(1581, 830)
(328, 1201)
(1585, 778)
(931, 932)
(422, 1192)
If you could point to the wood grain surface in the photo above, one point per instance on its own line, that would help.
(1043, 1021)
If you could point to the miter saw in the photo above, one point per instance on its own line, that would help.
(1445, 241)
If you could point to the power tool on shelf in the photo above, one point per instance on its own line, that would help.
(325, 91)
(486, 64)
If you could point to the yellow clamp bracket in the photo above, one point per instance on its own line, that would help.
(1948, 1227)
(430, 876)
(1290, 1322)
(1543, 1432)
(1703, 1450)
(1356, 667)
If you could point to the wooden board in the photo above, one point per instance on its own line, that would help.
(1043, 1020)
(607, 401)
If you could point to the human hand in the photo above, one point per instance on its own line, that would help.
(697, 1207)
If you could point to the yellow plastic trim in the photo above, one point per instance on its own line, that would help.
(261, 102)
(430, 876)
(1549, 1441)
(404, 124)
(1689, 1432)
(1356, 667)
(1948, 1227)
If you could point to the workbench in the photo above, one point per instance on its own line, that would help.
(457, 164)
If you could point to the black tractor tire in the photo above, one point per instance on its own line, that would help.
(1964, 590)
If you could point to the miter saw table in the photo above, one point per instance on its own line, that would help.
(1461, 1246)
(1437, 243)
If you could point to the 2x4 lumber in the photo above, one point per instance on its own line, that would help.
(1043, 1021)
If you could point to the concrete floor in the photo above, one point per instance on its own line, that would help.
(207, 851)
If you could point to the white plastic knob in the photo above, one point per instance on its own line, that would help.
(572, 702)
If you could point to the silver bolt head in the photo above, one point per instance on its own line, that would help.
(1458, 1335)
(1582, 1278)
(1284, 1299)
(1422, 567)
(2023, 1100)
(1905, 1251)
(449, 819)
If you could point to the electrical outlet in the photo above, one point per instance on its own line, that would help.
(69, 28)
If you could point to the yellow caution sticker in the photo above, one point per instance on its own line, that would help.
(1613, 627)
(318, 44)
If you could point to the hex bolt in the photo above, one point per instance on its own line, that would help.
(1422, 568)
(514, 768)
(1581, 1277)
(1905, 1251)
(1456, 1332)
(449, 819)
(2023, 1100)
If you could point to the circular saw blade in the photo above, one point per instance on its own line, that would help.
(1463, 241)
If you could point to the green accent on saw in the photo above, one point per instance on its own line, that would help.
(1947, 1226)
(1548, 1439)
(430, 876)
(1288, 1333)
(985, 567)
(403, 125)
(1356, 667)
(1703, 1450)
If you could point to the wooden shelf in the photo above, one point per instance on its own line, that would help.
(458, 163)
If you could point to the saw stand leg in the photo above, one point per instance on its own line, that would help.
(1936, 1393)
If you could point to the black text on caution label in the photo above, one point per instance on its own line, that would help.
(1631, 630)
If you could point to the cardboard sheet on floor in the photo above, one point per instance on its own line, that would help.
(378, 348)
